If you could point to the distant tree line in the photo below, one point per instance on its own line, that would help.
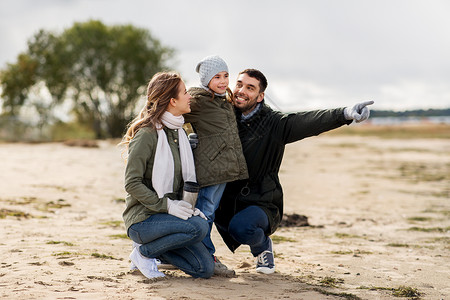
(99, 71)
(411, 113)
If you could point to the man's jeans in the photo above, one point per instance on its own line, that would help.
(248, 227)
(208, 201)
(175, 241)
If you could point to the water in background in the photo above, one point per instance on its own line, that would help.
(407, 120)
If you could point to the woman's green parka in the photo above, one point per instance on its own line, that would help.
(142, 200)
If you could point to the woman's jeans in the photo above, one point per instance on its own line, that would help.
(248, 227)
(175, 241)
(208, 201)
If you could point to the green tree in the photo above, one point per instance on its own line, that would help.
(101, 69)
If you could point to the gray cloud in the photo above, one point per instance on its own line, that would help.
(315, 54)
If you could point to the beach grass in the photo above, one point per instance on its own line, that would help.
(60, 242)
(406, 131)
(14, 213)
(340, 295)
(401, 291)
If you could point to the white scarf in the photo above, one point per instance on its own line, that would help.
(163, 166)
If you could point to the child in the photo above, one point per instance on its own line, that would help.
(218, 156)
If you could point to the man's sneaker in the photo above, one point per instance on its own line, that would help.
(265, 262)
(221, 270)
(147, 266)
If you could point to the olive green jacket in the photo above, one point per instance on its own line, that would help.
(142, 200)
(218, 156)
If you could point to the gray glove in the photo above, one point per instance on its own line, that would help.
(180, 209)
(359, 112)
(193, 140)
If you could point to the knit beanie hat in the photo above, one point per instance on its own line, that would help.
(208, 67)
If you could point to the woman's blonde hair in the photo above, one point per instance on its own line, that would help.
(162, 87)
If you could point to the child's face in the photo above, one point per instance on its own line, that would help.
(219, 83)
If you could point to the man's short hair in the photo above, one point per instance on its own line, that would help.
(259, 76)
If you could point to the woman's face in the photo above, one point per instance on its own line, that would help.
(182, 101)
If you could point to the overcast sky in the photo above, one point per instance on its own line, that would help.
(314, 53)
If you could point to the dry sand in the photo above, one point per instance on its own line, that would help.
(62, 235)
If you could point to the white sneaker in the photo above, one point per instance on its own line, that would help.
(132, 265)
(147, 266)
(160, 264)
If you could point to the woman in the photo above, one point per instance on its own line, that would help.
(160, 160)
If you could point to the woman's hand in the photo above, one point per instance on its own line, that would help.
(180, 209)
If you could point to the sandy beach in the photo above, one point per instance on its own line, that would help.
(378, 210)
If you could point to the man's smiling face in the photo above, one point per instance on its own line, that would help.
(247, 93)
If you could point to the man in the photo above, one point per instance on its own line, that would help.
(251, 210)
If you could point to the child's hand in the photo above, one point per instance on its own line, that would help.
(198, 212)
(193, 140)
